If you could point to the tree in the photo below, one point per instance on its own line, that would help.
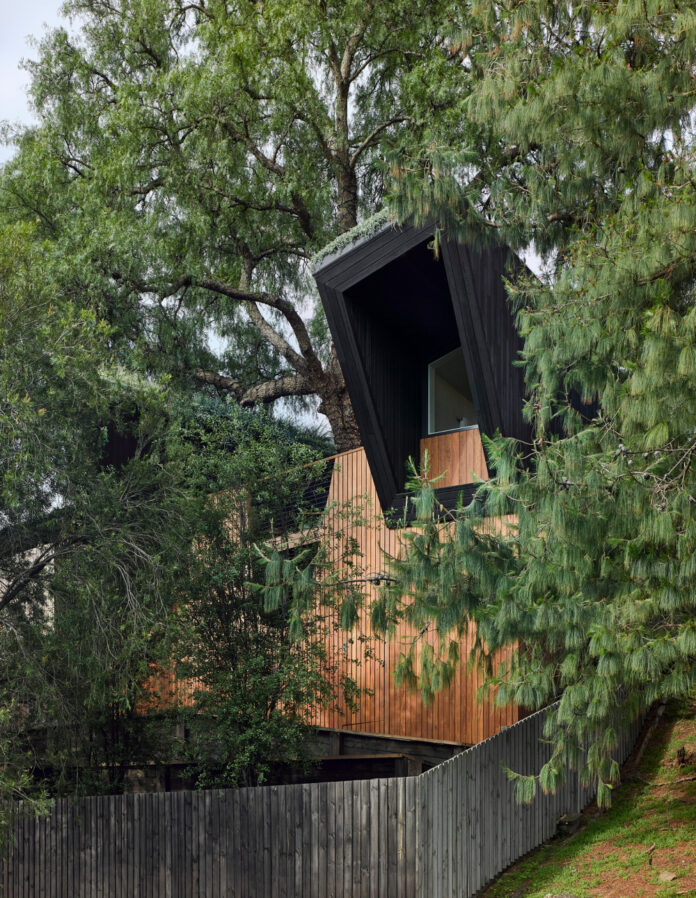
(128, 525)
(190, 159)
(121, 557)
(93, 521)
(255, 688)
(578, 139)
(81, 464)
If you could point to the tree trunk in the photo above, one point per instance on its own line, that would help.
(337, 407)
(347, 215)
(346, 180)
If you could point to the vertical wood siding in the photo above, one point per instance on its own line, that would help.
(455, 715)
(455, 457)
(443, 834)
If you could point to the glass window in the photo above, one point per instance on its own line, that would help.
(450, 404)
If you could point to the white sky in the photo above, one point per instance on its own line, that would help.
(19, 20)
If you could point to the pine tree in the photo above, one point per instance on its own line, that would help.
(575, 136)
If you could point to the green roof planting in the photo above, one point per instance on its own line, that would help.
(377, 222)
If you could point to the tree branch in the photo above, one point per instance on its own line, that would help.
(279, 343)
(368, 141)
(218, 380)
(353, 43)
(292, 385)
(307, 357)
(15, 585)
(16, 539)
(269, 391)
(305, 362)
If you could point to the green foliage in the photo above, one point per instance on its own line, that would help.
(575, 126)
(187, 161)
(652, 815)
(94, 522)
(256, 684)
(126, 546)
(16, 781)
(348, 239)
(190, 159)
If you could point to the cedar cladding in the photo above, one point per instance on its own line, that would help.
(455, 715)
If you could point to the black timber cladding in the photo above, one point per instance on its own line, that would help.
(392, 308)
(480, 274)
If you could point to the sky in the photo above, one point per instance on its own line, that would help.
(20, 20)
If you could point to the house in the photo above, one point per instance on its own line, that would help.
(428, 347)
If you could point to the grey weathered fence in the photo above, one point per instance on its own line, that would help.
(470, 827)
(439, 835)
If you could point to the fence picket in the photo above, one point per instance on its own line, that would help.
(442, 834)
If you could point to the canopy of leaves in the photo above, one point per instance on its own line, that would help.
(119, 521)
(93, 518)
(191, 157)
(577, 137)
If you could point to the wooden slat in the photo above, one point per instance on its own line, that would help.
(454, 714)
(446, 833)
(231, 823)
(357, 837)
(340, 841)
(383, 837)
(331, 819)
(348, 839)
(364, 823)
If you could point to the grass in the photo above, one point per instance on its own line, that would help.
(620, 853)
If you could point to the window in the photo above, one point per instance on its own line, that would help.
(450, 404)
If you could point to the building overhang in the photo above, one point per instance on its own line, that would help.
(392, 308)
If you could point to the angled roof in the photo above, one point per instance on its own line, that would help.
(385, 296)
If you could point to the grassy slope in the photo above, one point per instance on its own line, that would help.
(653, 816)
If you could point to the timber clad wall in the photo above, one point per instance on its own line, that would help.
(457, 456)
(443, 834)
(455, 714)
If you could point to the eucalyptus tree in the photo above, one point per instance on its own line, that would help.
(191, 157)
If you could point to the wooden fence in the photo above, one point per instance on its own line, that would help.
(442, 834)
(469, 825)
